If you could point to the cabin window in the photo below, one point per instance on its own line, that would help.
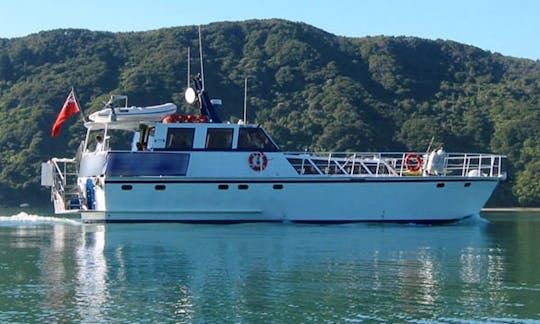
(180, 139)
(145, 140)
(116, 139)
(219, 138)
(133, 164)
(254, 139)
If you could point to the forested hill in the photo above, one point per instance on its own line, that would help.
(309, 88)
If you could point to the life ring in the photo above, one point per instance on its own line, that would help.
(413, 162)
(170, 119)
(203, 119)
(258, 161)
(174, 118)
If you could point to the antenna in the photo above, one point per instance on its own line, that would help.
(190, 94)
(201, 58)
(188, 65)
(245, 100)
(430, 143)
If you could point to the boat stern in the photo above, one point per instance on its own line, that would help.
(60, 175)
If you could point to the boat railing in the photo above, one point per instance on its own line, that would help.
(64, 189)
(397, 164)
(477, 165)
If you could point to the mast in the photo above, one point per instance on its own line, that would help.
(245, 100)
(205, 105)
(201, 57)
(188, 66)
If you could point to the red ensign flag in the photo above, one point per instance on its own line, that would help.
(70, 108)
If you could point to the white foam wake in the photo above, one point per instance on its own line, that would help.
(23, 218)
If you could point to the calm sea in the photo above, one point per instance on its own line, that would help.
(486, 269)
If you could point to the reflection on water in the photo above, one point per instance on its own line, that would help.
(91, 288)
(60, 271)
(55, 275)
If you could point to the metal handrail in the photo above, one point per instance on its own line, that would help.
(60, 178)
(455, 164)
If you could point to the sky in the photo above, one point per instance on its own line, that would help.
(508, 27)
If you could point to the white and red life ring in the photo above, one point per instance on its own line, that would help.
(413, 162)
(258, 161)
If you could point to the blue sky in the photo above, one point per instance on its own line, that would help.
(509, 27)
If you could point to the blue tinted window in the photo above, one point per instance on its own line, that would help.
(219, 138)
(254, 139)
(180, 139)
(129, 164)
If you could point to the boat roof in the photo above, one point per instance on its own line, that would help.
(136, 125)
(123, 125)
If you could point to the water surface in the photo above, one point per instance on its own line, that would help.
(485, 270)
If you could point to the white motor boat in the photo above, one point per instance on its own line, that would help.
(199, 169)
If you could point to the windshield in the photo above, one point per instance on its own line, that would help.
(255, 139)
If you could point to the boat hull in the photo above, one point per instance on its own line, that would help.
(378, 199)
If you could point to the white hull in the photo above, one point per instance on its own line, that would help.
(314, 200)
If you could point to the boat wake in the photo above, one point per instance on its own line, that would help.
(475, 219)
(23, 218)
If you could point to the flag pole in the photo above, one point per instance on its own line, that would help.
(78, 104)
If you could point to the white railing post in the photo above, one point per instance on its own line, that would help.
(464, 167)
(402, 164)
(328, 163)
(64, 176)
(480, 160)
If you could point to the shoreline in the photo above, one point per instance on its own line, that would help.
(512, 209)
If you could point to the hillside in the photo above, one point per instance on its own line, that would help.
(309, 88)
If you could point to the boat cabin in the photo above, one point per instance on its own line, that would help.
(183, 137)
(205, 136)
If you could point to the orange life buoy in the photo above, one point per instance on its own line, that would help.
(413, 162)
(258, 161)
(170, 118)
(174, 118)
(203, 119)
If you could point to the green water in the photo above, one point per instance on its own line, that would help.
(482, 270)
